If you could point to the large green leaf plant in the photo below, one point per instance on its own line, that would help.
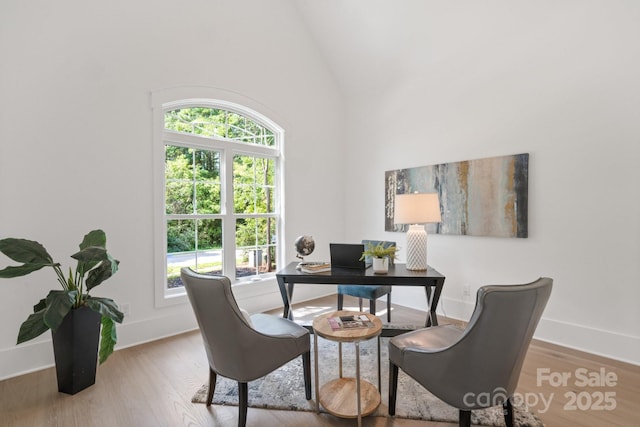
(94, 266)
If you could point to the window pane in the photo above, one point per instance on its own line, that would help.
(255, 242)
(209, 234)
(207, 165)
(265, 204)
(221, 123)
(243, 199)
(180, 245)
(193, 243)
(192, 176)
(179, 197)
(178, 162)
(208, 198)
(253, 179)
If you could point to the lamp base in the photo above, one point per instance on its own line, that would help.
(416, 247)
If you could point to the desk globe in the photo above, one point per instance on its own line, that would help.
(304, 246)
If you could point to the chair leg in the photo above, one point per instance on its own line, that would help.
(340, 301)
(507, 409)
(212, 386)
(389, 308)
(243, 401)
(393, 387)
(306, 367)
(372, 306)
(360, 304)
(465, 418)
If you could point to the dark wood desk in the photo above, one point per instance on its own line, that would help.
(398, 275)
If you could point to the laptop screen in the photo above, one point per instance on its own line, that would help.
(347, 255)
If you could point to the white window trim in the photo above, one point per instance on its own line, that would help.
(171, 98)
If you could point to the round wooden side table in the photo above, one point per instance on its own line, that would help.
(336, 396)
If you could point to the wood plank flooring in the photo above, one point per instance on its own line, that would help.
(152, 384)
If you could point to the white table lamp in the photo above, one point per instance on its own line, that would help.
(416, 209)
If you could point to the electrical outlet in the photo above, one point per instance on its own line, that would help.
(126, 309)
(466, 291)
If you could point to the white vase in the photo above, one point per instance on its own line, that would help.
(380, 265)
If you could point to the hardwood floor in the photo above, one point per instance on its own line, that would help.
(152, 385)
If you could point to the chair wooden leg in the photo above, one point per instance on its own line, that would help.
(465, 418)
(340, 301)
(243, 401)
(372, 307)
(212, 386)
(393, 387)
(507, 409)
(306, 367)
(388, 308)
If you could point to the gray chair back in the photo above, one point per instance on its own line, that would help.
(235, 349)
(488, 356)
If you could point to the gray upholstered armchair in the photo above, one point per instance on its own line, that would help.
(241, 349)
(463, 367)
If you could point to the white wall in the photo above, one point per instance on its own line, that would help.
(558, 81)
(76, 136)
(555, 79)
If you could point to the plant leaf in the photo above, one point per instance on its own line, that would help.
(91, 254)
(41, 305)
(94, 238)
(108, 339)
(71, 285)
(31, 253)
(59, 304)
(26, 251)
(101, 273)
(88, 258)
(32, 327)
(22, 270)
(106, 307)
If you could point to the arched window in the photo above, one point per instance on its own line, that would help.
(221, 211)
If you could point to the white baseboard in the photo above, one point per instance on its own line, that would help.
(613, 345)
(37, 355)
(26, 358)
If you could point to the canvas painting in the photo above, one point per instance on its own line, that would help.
(484, 197)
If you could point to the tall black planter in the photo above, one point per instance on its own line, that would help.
(75, 346)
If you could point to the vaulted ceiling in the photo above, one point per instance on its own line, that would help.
(371, 42)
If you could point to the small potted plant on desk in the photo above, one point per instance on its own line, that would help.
(380, 255)
(73, 315)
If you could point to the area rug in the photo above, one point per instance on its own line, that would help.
(284, 389)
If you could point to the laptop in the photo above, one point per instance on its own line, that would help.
(347, 255)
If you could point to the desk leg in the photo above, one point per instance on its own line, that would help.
(437, 292)
(285, 298)
(288, 309)
(315, 359)
(286, 292)
(432, 318)
(358, 392)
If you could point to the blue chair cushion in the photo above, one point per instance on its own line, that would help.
(364, 291)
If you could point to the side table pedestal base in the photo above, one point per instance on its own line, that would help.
(338, 397)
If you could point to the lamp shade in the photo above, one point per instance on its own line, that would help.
(416, 208)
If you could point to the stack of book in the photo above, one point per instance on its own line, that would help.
(314, 266)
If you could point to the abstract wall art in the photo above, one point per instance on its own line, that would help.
(484, 197)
